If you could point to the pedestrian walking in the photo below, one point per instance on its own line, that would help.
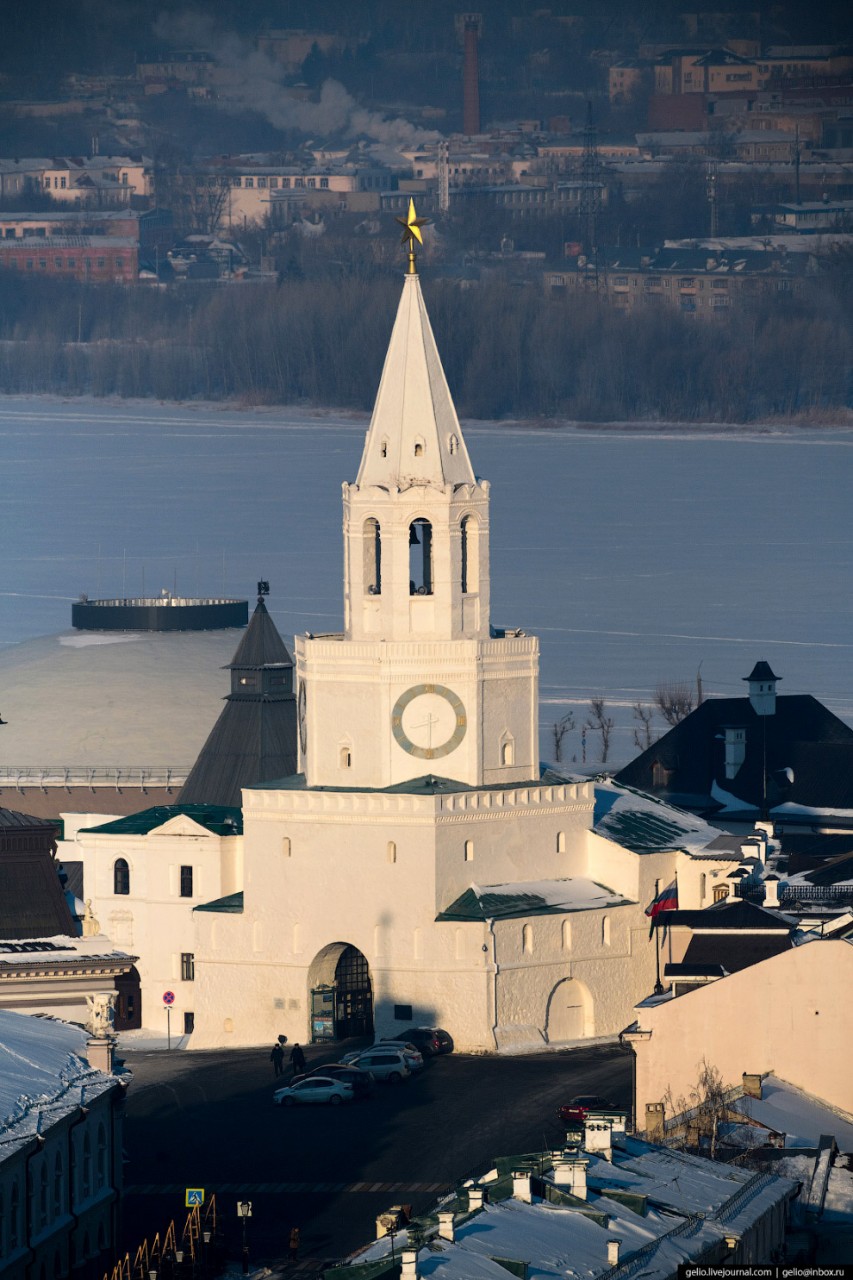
(277, 1059)
(297, 1060)
(294, 1238)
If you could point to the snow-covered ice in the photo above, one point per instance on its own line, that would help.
(635, 555)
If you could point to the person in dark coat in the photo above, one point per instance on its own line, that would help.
(297, 1060)
(294, 1235)
(277, 1059)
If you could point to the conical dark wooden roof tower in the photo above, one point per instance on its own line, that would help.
(254, 739)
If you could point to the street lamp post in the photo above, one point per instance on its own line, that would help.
(244, 1212)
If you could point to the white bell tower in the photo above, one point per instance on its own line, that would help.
(418, 683)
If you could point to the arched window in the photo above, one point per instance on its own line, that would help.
(507, 749)
(43, 1192)
(469, 850)
(419, 448)
(605, 931)
(702, 889)
(57, 1185)
(87, 1168)
(383, 448)
(470, 553)
(527, 939)
(420, 558)
(561, 842)
(392, 851)
(345, 757)
(121, 876)
(372, 557)
(454, 444)
(567, 935)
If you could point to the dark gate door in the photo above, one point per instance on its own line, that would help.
(128, 1015)
(354, 1014)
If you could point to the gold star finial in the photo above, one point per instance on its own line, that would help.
(411, 225)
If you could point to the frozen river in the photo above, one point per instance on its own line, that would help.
(635, 555)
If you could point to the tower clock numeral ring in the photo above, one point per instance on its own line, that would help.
(436, 751)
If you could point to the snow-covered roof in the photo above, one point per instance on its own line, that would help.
(688, 1205)
(802, 1118)
(43, 1070)
(530, 898)
(645, 824)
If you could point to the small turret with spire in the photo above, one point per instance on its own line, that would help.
(762, 689)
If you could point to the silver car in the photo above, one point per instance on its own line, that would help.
(384, 1064)
(314, 1089)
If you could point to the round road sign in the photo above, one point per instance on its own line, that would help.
(168, 997)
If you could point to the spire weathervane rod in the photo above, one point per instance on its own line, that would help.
(411, 225)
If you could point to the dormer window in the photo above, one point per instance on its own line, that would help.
(454, 444)
(419, 448)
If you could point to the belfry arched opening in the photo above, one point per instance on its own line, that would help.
(341, 993)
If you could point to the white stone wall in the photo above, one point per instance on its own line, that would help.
(153, 921)
(373, 870)
(791, 1015)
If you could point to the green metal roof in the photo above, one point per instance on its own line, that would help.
(643, 832)
(221, 819)
(496, 904)
(231, 905)
(428, 785)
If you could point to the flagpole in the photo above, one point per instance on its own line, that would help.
(658, 983)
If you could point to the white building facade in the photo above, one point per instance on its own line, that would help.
(422, 868)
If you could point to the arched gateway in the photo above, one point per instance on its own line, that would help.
(570, 1012)
(340, 993)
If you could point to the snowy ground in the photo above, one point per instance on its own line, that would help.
(636, 555)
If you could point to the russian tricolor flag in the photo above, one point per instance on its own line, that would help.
(666, 900)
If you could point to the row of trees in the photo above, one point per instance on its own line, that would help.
(673, 700)
(507, 351)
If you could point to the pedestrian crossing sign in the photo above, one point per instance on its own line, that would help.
(194, 1197)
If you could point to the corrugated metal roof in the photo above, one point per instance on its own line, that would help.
(232, 904)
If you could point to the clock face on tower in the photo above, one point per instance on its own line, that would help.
(429, 721)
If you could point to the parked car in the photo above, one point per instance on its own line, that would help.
(361, 1081)
(579, 1107)
(430, 1040)
(384, 1064)
(314, 1089)
(414, 1057)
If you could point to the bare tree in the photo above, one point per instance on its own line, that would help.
(600, 723)
(674, 700)
(643, 731)
(559, 729)
(698, 1116)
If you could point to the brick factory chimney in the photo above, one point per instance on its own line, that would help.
(471, 76)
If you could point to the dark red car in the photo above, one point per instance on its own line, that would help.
(578, 1109)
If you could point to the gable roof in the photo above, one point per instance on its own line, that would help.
(222, 820)
(414, 404)
(731, 916)
(802, 736)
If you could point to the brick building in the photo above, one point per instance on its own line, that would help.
(97, 259)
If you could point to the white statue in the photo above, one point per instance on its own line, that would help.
(101, 1013)
(90, 926)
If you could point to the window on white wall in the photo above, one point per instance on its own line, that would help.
(285, 846)
(567, 935)
(392, 851)
(527, 939)
(469, 850)
(346, 758)
(561, 842)
(605, 931)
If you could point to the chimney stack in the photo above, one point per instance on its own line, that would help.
(771, 892)
(471, 76)
(409, 1268)
(521, 1189)
(569, 1172)
(476, 1198)
(445, 1225)
(613, 1247)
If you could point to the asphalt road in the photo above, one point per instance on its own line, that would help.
(207, 1120)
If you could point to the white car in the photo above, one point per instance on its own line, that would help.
(314, 1089)
(384, 1064)
(414, 1057)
